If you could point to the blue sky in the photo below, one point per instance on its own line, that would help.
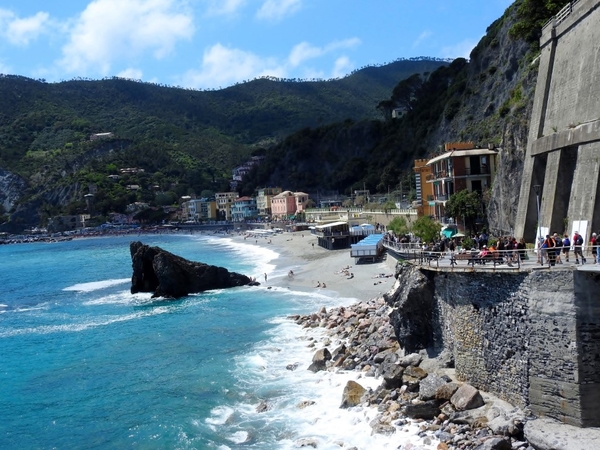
(212, 44)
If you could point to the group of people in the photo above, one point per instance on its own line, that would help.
(554, 248)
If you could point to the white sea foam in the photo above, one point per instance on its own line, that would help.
(239, 437)
(96, 285)
(262, 257)
(264, 371)
(81, 326)
(119, 298)
(219, 416)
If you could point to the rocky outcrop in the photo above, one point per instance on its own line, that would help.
(170, 276)
(412, 317)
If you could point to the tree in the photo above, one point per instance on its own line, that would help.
(466, 206)
(398, 225)
(426, 228)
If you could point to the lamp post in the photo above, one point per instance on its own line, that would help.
(537, 188)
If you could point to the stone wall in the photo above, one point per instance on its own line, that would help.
(531, 338)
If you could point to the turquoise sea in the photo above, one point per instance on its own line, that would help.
(85, 364)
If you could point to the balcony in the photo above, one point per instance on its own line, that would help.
(439, 175)
(475, 171)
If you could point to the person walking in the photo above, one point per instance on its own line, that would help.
(566, 246)
(577, 243)
(594, 244)
(557, 247)
(549, 246)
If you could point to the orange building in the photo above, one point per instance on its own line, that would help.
(461, 166)
(425, 201)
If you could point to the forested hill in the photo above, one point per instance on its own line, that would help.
(186, 140)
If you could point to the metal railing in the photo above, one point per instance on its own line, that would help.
(561, 15)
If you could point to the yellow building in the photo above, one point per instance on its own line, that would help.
(425, 201)
(224, 203)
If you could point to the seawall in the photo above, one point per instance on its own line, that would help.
(531, 338)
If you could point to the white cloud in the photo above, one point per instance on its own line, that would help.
(21, 31)
(276, 10)
(342, 67)
(304, 51)
(131, 74)
(224, 7)
(222, 66)
(115, 30)
(422, 37)
(461, 49)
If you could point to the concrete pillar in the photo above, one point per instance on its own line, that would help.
(584, 198)
(525, 222)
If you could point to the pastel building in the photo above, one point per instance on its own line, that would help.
(263, 200)
(224, 203)
(244, 208)
(198, 210)
(461, 166)
(287, 204)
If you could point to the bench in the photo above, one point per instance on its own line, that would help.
(473, 259)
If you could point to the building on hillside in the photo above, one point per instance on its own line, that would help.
(98, 136)
(239, 172)
(224, 202)
(301, 202)
(198, 210)
(244, 208)
(283, 205)
(461, 166)
(119, 218)
(136, 207)
(263, 200)
(424, 203)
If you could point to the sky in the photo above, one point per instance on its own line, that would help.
(212, 44)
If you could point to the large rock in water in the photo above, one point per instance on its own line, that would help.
(168, 275)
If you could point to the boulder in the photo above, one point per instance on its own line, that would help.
(446, 391)
(429, 386)
(414, 359)
(495, 443)
(353, 392)
(391, 371)
(467, 397)
(170, 276)
(424, 410)
(319, 361)
(412, 376)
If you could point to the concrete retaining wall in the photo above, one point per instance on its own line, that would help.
(531, 338)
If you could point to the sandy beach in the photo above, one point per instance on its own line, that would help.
(313, 266)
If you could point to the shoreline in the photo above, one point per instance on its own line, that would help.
(313, 265)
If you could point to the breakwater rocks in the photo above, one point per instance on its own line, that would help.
(170, 276)
(415, 388)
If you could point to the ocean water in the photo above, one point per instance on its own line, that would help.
(85, 364)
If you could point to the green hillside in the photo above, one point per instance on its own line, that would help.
(186, 140)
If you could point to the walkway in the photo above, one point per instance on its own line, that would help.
(456, 262)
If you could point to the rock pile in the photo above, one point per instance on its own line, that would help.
(414, 388)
